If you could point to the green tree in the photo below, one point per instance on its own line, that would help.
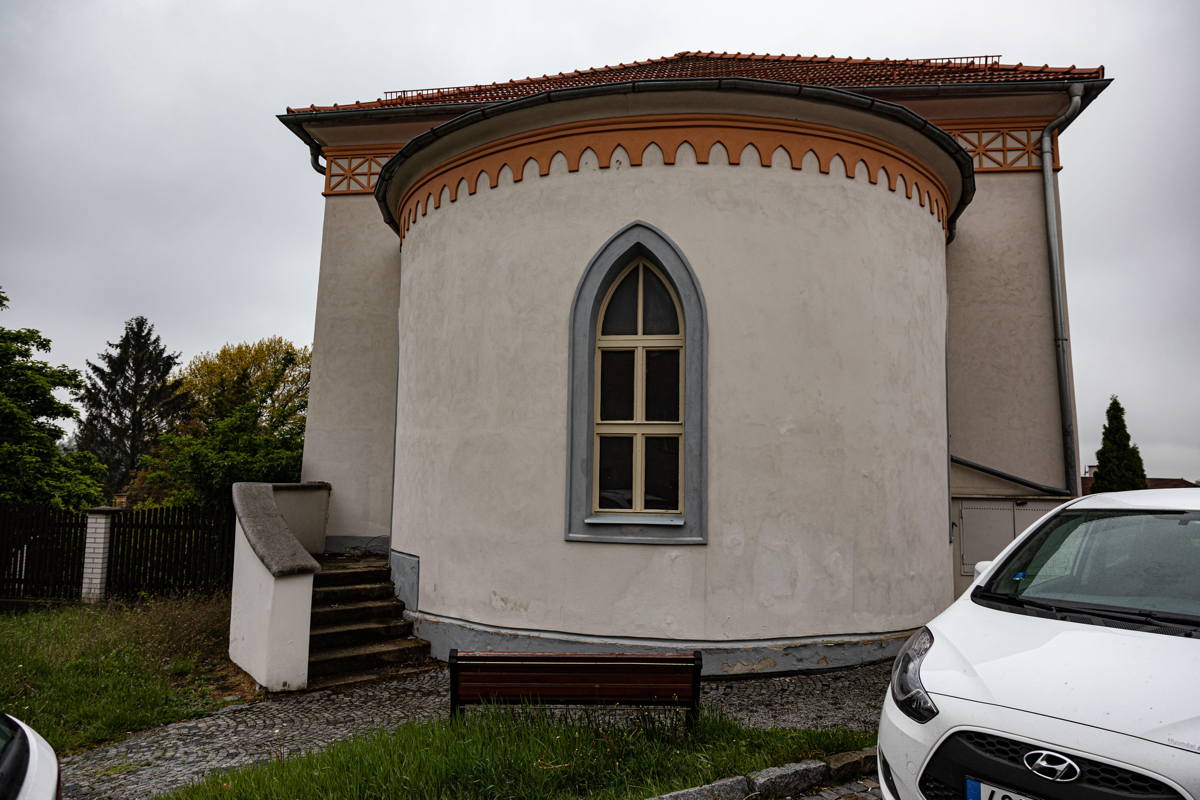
(272, 371)
(1118, 462)
(34, 468)
(129, 401)
(248, 404)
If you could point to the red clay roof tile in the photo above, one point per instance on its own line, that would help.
(815, 70)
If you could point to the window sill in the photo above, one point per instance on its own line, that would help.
(671, 529)
(634, 519)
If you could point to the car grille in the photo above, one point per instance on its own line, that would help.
(934, 789)
(999, 760)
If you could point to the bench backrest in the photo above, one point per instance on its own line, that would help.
(570, 679)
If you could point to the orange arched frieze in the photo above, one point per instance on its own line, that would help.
(740, 137)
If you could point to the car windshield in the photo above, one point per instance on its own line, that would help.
(1140, 561)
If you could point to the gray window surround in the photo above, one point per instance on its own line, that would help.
(638, 239)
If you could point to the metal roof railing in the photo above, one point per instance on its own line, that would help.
(963, 60)
(404, 94)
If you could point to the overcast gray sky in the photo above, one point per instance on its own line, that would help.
(146, 172)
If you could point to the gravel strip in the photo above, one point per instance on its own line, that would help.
(159, 760)
(844, 699)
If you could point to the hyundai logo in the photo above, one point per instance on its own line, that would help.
(1051, 766)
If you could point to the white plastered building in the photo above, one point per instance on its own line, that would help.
(755, 355)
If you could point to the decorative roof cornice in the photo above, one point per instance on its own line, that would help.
(880, 108)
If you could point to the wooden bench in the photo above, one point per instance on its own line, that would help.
(669, 680)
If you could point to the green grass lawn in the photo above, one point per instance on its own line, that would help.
(85, 674)
(511, 755)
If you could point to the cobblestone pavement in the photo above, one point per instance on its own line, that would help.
(858, 790)
(159, 760)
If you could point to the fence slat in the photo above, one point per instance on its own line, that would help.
(41, 552)
(171, 551)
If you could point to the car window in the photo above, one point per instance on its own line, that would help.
(1134, 560)
(14, 756)
(1059, 561)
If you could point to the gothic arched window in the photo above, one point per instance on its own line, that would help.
(637, 396)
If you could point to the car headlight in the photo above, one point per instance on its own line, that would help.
(907, 690)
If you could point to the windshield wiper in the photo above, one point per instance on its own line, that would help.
(1017, 600)
(1191, 620)
(1159, 618)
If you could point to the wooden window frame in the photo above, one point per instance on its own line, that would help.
(636, 244)
(639, 427)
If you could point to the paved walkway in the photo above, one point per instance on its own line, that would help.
(159, 760)
(858, 790)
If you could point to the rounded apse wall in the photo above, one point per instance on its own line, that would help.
(814, 237)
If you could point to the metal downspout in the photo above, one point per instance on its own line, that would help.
(314, 156)
(1062, 345)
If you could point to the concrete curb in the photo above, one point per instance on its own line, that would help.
(786, 781)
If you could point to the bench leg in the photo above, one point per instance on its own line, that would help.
(455, 711)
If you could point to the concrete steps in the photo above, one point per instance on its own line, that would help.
(346, 613)
(340, 573)
(349, 679)
(367, 657)
(331, 637)
(352, 593)
(358, 633)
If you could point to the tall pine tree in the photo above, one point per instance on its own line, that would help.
(1118, 462)
(129, 401)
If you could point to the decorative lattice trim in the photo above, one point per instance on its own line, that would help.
(1001, 145)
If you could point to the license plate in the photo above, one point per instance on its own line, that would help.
(978, 790)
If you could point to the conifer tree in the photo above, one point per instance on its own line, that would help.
(129, 401)
(1118, 462)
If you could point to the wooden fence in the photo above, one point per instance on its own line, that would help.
(41, 553)
(171, 551)
(151, 551)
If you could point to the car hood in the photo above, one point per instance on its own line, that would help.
(1132, 682)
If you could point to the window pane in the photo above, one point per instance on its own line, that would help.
(616, 472)
(616, 384)
(662, 385)
(620, 318)
(662, 473)
(658, 311)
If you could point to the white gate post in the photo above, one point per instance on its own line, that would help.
(95, 552)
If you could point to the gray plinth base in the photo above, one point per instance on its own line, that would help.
(406, 578)
(742, 658)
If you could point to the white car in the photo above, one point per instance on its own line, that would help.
(1068, 670)
(28, 766)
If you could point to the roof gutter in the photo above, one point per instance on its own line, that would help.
(314, 155)
(1091, 89)
(1041, 488)
(1062, 345)
(295, 121)
(826, 94)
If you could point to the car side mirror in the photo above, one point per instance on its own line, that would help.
(982, 567)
